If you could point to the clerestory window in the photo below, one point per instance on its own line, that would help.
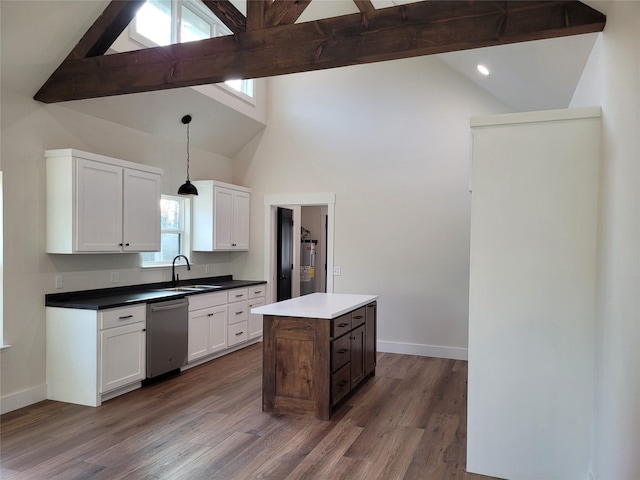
(164, 22)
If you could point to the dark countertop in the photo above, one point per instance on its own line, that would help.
(144, 293)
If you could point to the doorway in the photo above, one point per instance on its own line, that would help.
(284, 248)
(295, 202)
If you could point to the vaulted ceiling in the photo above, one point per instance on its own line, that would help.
(268, 41)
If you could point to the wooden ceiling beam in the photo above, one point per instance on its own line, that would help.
(228, 14)
(283, 12)
(410, 30)
(365, 6)
(256, 12)
(106, 29)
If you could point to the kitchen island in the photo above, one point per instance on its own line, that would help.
(316, 349)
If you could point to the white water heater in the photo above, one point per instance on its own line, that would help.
(307, 266)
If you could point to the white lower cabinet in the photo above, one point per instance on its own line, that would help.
(122, 356)
(207, 324)
(221, 322)
(94, 355)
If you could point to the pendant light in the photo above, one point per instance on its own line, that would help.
(187, 189)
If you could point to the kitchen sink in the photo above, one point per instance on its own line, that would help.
(192, 288)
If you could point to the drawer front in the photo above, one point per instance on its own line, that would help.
(257, 291)
(237, 295)
(238, 312)
(358, 317)
(340, 384)
(117, 317)
(237, 333)
(340, 352)
(207, 300)
(340, 325)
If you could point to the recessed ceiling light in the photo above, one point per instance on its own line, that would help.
(483, 70)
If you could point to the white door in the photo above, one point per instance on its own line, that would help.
(98, 203)
(122, 356)
(241, 206)
(223, 231)
(141, 224)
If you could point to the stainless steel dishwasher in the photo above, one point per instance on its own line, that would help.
(167, 340)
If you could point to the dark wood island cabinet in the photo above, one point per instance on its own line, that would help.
(316, 349)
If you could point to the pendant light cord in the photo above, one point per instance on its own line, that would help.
(187, 151)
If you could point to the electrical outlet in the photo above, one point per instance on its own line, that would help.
(115, 277)
(337, 271)
(207, 269)
(59, 282)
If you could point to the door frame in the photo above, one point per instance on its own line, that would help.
(294, 201)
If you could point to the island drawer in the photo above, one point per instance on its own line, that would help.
(340, 325)
(340, 352)
(358, 317)
(340, 384)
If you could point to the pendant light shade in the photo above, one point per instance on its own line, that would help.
(187, 189)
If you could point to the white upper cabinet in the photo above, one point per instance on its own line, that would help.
(97, 204)
(220, 217)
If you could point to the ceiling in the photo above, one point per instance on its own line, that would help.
(527, 76)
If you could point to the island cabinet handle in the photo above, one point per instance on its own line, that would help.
(342, 383)
(358, 317)
(125, 317)
(239, 333)
(343, 350)
(343, 324)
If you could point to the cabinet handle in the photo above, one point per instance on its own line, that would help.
(125, 317)
(144, 329)
(239, 333)
(210, 315)
(233, 245)
(240, 295)
(359, 317)
(343, 350)
(120, 244)
(240, 312)
(126, 244)
(343, 325)
(257, 292)
(342, 383)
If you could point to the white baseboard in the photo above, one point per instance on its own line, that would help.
(453, 353)
(24, 398)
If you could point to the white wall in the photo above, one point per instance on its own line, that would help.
(392, 141)
(27, 129)
(612, 79)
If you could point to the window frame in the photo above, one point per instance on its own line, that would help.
(217, 27)
(184, 231)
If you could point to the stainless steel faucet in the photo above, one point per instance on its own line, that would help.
(174, 277)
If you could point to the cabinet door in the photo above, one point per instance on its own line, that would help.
(370, 339)
(255, 319)
(141, 223)
(98, 207)
(223, 218)
(357, 355)
(198, 335)
(207, 331)
(241, 206)
(217, 328)
(122, 356)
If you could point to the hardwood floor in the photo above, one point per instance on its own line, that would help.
(407, 422)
